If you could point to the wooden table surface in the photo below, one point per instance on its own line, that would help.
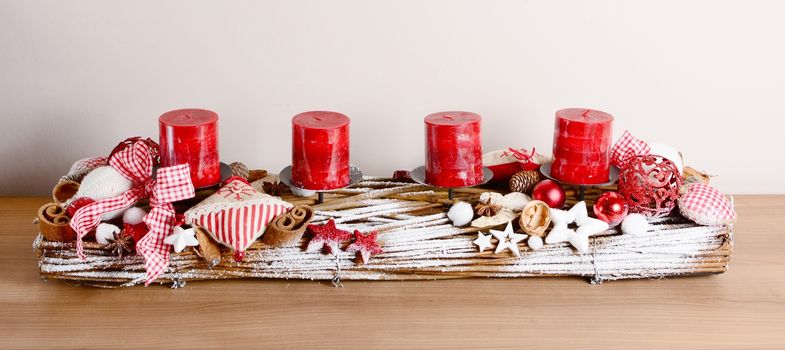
(743, 308)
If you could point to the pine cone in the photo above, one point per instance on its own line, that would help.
(524, 181)
(239, 169)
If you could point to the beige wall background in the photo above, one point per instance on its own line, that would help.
(706, 77)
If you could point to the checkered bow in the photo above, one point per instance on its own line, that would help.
(627, 148)
(170, 184)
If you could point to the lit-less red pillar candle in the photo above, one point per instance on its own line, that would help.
(582, 146)
(453, 155)
(320, 150)
(191, 136)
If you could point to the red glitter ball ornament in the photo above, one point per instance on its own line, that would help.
(611, 207)
(650, 184)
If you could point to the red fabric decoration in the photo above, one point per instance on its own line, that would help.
(706, 206)
(327, 237)
(627, 148)
(650, 184)
(170, 184)
(365, 246)
(236, 215)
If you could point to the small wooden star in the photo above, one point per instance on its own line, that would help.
(326, 237)
(483, 242)
(508, 240)
(365, 246)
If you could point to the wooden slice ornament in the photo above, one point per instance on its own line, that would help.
(535, 218)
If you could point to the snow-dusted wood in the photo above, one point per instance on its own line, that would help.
(419, 243)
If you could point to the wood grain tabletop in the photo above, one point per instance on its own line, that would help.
(741, 309)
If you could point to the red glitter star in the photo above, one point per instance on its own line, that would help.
(365, 246)
(326, 237)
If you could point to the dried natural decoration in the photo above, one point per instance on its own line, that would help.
(208, 248)
(487, 208)
(535, 218)
(287, 229)
(64, 190)
(696, 176)
(239, 169)
(276, 188)
(121, 244)
(53, 223)
(650, 184)
(256, 174)
(524, 181)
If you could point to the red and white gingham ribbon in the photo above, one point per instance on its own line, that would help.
(626, 148)
(171, 184)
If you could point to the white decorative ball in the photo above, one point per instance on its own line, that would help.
(460, 213)
(635, 225)
(104, 233)
(134, 216)
(534, 242)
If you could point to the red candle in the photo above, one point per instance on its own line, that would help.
(191, 136)
(581, 146)
(320, 150)
(453, 156)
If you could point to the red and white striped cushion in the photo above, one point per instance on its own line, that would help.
(706, 206)
(236, 215)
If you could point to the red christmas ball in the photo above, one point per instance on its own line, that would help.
(551, 193)
(76, 204)
(136, 231)
(650, 184)
(611, 207)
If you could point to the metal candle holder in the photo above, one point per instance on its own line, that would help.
(613, 176)
(355, 176)
(418, 175)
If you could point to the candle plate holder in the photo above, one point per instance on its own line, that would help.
(355, 176)
(613, 176)
(418, 175)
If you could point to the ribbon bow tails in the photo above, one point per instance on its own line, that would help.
(170, 184)
(627, 148)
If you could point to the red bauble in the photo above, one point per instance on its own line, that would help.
(611, 207)
(76, 204)
(550, 192)
(136, 231)
(650, 184)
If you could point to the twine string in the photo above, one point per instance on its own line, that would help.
(337, 278)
